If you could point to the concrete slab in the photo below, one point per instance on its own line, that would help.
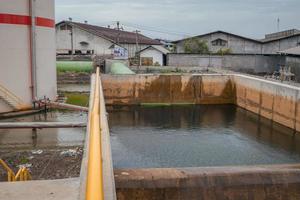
(64, 189)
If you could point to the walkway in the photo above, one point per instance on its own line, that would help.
(75, 188)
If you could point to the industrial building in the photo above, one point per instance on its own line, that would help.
(154, 55)
(83, 38)
(271, 44)
(27, 53)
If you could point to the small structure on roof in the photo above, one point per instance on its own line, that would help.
(153, 56)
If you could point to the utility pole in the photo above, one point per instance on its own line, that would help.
(137, 47)
(71, 33)
(118, 25)
(278, 24)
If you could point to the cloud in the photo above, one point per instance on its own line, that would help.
(175, 18)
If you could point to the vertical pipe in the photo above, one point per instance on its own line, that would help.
(33, 49)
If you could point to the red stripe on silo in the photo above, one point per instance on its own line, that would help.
(15, 19)
(25, 20)
(45, 22)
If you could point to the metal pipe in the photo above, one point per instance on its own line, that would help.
(33, 49)
(94, 187)
(40, 125)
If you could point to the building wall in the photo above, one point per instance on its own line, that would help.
(294, 63)
(243, 46)
(280, 45)
(242, 63)
(236, 44)
(152, 53)
(15, 59)
(132, 48)
(98, 44)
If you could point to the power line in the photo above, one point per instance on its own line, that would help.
(153, 29)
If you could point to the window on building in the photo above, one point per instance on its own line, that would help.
(83, 43)
(78, 52)
(219, 42)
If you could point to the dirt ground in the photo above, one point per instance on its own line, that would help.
(44, 164)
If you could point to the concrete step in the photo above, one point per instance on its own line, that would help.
(65, 189)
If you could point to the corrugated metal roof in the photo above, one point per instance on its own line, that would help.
(292, 51)
(223, 32)
(116, 36)
(266, 40)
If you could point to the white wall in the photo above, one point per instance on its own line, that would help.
(153, 53)
(98, 44)
(15, 65)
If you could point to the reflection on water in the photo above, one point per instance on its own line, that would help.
(192, 136)
(20, 138)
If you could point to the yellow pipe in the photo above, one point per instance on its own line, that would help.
(94, 187)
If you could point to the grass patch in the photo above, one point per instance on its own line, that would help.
(77, 99)
(74, 66)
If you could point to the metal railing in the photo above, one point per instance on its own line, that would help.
(22, 175)
(11, 98)
(94, 186)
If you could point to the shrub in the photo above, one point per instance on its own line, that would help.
(195, 45)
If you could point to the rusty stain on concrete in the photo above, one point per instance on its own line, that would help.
(211, 183)
(138, 89)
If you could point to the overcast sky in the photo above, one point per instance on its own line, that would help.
(174, 19)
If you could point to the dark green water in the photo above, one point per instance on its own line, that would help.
(194, 136)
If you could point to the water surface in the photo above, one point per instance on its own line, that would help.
(57, 137)
(195, 136)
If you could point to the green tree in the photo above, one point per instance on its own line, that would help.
(224, 51)
(195, 45)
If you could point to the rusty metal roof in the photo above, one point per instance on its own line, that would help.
(115, 36)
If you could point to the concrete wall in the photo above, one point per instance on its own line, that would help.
(241, 63)
(138, 89)
(272, 100)
(152, 53)
(15, 59)
(236, 44)
(275, 101)
(294, 63)
(213, 183)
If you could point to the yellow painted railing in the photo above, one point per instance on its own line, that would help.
(11, 98)
(94, 187)
(22, 175)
